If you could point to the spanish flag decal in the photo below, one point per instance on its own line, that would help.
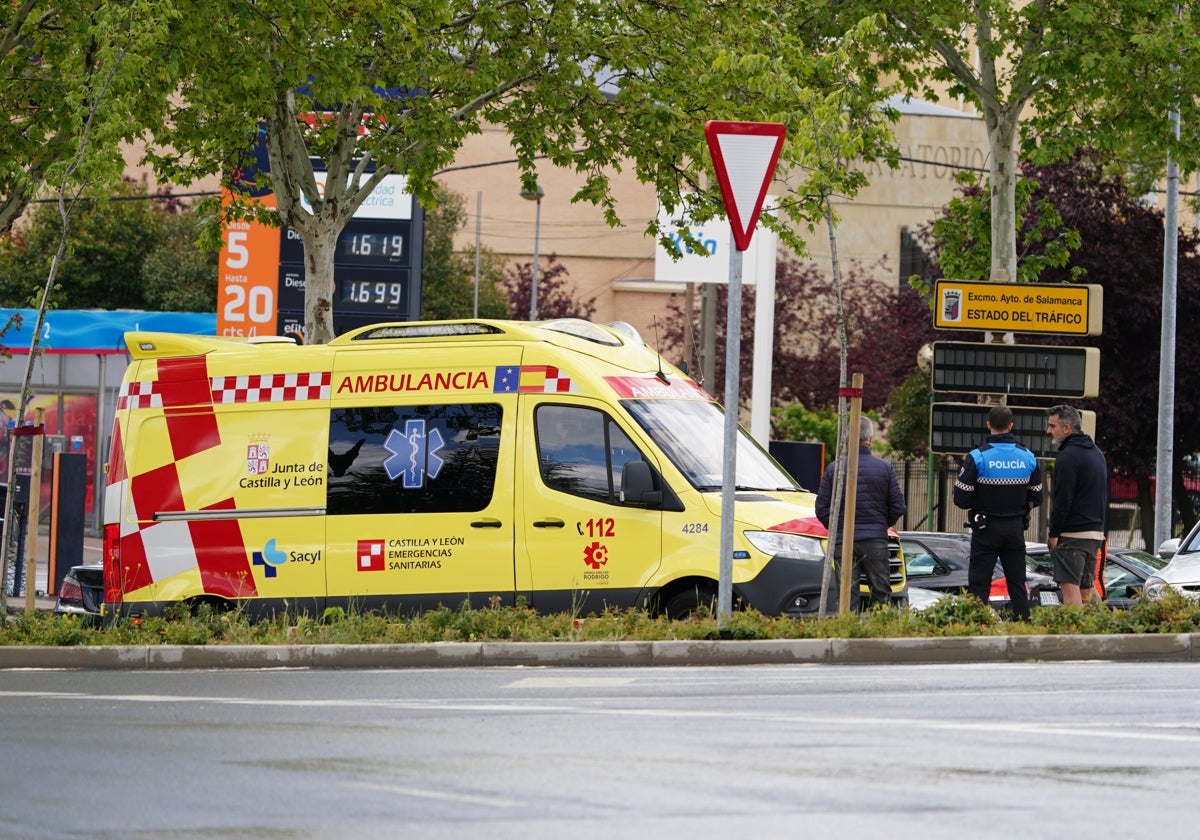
(533, 379)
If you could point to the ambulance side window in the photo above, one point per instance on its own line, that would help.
(581, 451)
(438, 458)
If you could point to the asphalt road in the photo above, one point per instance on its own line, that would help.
(1056, 750)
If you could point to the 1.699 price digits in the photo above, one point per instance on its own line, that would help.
(361, 291)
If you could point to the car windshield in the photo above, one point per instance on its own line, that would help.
(692, 432)
(1191, 542)
(1149, 563)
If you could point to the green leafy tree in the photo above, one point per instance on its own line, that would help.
(1104, 74)
(448, 276)
(375, 89)
(795, 422)
(1121, 244)
(74, 70)
(74, 76)
(177, 274)
(908, 413)
(964, 246)
(132, 251)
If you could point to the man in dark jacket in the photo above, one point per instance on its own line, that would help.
(1078, 505)
(878, 505)
(999, 483)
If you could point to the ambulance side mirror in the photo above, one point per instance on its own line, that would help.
(637, 485)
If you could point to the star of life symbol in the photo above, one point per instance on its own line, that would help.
(595, 555)
(258, 458)
(414, 454)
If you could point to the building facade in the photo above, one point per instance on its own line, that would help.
(616, 266)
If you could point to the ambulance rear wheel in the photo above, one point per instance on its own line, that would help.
(214, 606)
(687, 603)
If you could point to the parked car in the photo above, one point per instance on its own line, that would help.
(922, 599)
(938, 560)
(82, 592)
(1182, 572)
(1126, 571)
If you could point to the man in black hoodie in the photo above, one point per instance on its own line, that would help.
(1078, 505)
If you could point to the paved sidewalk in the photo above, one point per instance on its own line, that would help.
(1175, 647)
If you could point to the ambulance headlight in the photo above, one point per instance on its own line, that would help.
(792, 546)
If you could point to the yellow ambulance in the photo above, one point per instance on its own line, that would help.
(409, 465)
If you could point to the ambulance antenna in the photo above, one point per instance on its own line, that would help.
(662, 377)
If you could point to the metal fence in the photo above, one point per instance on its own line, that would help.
(930, 499)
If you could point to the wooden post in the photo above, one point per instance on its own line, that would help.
(844, 581)
(35, 511)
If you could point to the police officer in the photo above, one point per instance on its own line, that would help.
(999, 483)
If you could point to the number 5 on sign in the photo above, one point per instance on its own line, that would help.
(247, 294)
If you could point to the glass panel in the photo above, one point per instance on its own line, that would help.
(413, 459)
(691, 433)
(571, 451)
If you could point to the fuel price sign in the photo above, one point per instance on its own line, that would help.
(377, 269)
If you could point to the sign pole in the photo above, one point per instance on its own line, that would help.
(744, 155)
(35, 510)
(733, 341)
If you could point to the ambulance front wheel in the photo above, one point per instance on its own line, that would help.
(686, 603)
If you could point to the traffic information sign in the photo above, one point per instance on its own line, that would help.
(1029, 369)
(957, 428)
(1062, 309)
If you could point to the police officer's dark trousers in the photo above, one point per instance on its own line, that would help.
(1003, 538)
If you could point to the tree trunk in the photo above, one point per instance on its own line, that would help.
(1002, 137)
(320, 247)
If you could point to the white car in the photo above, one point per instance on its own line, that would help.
(922, 599)
(1183, 572)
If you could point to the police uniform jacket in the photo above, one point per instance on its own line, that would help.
(1000, 479)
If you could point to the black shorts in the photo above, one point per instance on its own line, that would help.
(1075, 561)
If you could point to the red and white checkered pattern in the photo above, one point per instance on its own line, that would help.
(139, 395)
(544, 379)
(557, 383)
(370, 555)
(271, 387)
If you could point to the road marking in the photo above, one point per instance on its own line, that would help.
(1185, 731)
(424, 793)
(568, 682)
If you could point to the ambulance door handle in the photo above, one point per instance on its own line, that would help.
(486, 523)
(549, 523)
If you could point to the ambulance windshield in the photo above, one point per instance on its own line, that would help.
(692, 432)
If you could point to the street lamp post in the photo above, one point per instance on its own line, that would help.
(536, 196)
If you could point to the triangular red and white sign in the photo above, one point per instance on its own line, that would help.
(744, 155)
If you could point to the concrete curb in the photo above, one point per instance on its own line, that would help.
(1178, 647)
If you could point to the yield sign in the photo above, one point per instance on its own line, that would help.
(744, 155)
